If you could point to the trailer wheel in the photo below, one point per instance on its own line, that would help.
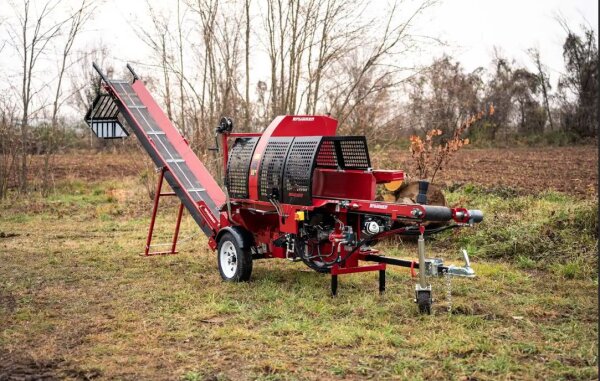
(424, 302)
(235, 263)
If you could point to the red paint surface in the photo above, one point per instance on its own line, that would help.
(348, 185)
(387, 175)
(288, 125)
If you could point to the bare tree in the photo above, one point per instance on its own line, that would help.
(247, 63)
(394, 39)
(158, 39)
(227, 53)
(290, 28)
(3, 40)
(181, 71)
(85, 83)
(9, 140)
(31, 40)
(578, 86)
(209, 100)
(499, 92)
(544, 82)
(309, 45)
(442, 96)
(328, 45)
(80, 16)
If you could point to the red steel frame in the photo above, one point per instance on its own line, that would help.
(157, 197)
(268, 231)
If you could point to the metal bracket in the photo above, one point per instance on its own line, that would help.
(432, 266)
(157, 195)
(420, 289)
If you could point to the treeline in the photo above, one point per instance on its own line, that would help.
(254, 60)
(526, 106)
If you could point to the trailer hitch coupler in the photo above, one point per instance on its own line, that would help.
(463, 271)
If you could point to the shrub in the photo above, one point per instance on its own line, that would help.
(550, 230)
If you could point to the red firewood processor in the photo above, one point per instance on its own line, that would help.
(296, 191)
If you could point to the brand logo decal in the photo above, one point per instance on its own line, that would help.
(378, 206)
(303, 118)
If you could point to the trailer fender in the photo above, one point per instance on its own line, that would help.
(242, 236)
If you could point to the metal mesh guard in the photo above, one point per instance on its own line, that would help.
(102, 118)
(271, 167)
(297, 177)
(238, 167)
(300, 156)
(345, 152)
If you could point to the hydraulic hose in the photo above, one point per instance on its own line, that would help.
(403, 231)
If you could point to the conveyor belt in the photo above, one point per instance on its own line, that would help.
(188, 177)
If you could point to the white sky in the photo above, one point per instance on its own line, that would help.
(471, 29)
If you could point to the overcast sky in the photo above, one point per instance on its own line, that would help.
(473, 27)
(470, 28)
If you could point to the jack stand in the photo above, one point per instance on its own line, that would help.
(336, 271)
(334, 285)
(157, 196)
(381, 281)
(423, 289)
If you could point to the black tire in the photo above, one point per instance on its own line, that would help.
(235, 263)
(424, 302)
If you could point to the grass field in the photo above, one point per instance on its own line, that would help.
(76, 301)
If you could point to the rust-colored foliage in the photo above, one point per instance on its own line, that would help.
(430, 157)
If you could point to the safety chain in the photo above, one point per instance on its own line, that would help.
(448, 291)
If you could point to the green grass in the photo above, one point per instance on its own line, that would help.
(546, 231)
(74, 292)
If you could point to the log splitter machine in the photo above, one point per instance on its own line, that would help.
(295, 191)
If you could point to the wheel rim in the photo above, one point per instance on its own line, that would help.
(228, 259)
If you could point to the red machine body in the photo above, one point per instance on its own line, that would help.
(345, 191)
(296, 191)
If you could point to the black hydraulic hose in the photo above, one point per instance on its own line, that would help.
(431, 231)
(371, 239)
(402, 231)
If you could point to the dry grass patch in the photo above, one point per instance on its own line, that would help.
(76, 300)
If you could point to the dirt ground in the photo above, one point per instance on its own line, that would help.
(77, 302)
(572, 170)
